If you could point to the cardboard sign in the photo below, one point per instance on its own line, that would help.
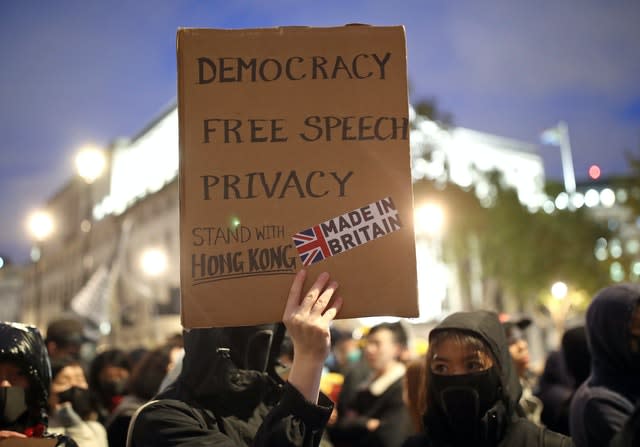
(294, 152)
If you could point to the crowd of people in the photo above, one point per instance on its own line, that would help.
(263, 385)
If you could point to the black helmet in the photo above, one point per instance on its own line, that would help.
(23, 345)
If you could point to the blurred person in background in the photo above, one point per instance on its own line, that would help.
(415, 380)
(108, 375)
(472, 389)
(606, 399)
(142, 385)
(25, 377)
(345, 352)
(564, 371)
(530, 405)
(377, 415)
(71, 408)
(65, 337)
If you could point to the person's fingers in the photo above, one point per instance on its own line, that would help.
(332, 310)
(321, 303)
(314, 292)
(294, 293)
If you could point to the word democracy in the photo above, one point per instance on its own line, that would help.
(294, 68)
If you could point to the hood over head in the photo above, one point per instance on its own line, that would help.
(609, 337)
(473, 408)
(23, 345)
(230, 359)
(486, 326)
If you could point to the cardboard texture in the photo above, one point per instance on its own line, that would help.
(294, 142)
(28, 442)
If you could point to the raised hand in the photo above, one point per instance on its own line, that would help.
(307, 319)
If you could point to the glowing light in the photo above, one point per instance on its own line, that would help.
(40, 225)
(154, 262)
(594, 172)
(90, 163)
(633, 246)
(601, 254)
(559, 290)
(591, 198)
(616, 271)
(1, 262)
(577, 200)
(429, 219)
(607, 198)
(562, 201)
(615, 248)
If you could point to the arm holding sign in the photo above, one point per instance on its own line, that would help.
(218, 402)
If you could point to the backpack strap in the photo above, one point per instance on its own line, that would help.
(552, 439)
(133, 422)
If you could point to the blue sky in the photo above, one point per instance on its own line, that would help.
(77, 71)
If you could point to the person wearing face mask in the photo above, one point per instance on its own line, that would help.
(606, 399)
(25, 376)
(108, 377)
(71, 407)
(472, 389)
(229, 393)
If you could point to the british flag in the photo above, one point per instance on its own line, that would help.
(311, 245)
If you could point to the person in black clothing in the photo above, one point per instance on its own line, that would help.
(25, 377)
(376, 415)
(605, 401)
(472, 389)
(563, 373)
(228, 393)
(108, 375)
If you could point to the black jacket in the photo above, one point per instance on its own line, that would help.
(607, 398)
(504, 425)
(375, 400)
(213, 403)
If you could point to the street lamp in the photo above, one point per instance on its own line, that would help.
(559, 290)
(90, 162)
(429, 220)
(153, 263)
(559, 307)
(40, 226)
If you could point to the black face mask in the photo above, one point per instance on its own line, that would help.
(113, 388)
(250, 346)
(13, 405)
(463, 400)
(80, 399)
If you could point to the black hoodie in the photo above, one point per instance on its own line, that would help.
(504, 427)
(217, 401)
(606, 399)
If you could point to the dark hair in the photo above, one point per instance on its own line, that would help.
(112, 357)
(58, 364)
(397, 332)
(149, 372)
